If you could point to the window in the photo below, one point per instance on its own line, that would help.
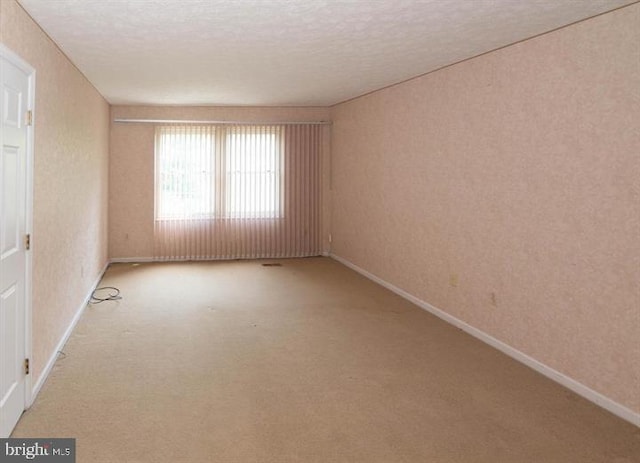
(252, 167)
(185, 172)
(205, 172)
(231, 191)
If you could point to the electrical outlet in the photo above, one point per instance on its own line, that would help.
(494, 299)
(453, 280)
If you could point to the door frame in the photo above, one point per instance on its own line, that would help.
(30, 71)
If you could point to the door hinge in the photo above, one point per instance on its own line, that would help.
(27, 241)
(26, 366)
(28, 118)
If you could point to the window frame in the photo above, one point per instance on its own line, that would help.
(218, 206)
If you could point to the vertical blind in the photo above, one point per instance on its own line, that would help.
(237, 191)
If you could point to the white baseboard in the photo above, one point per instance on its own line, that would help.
(133, 260)
(579, 388)
(142, 260)
(65, 337)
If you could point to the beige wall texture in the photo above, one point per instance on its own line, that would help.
(131, 174)
(504, 190)
(70, 182)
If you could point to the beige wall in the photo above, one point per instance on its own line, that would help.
(505, 191)
(131, 174)
(70, 182)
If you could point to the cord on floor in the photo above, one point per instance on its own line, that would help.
(112, 295)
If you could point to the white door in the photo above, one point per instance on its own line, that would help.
(14, 100)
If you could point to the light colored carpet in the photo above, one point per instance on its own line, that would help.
(308, 362)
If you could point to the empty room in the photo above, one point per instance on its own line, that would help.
(320, 231)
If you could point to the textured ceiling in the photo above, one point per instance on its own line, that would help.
(283, 52)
